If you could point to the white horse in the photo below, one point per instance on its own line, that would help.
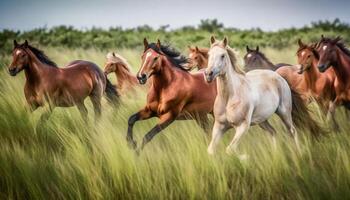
(249, 99)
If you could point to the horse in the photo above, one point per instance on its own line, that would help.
(117, 64)
(174, 93)
(255, 59)
(198, 57)
(333, 53)
(59, 87)
(251, 98)
(320, 86)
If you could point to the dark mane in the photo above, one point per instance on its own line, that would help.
(174, 56)
(311, 48)
(339, 44)
(41, 56)
(264, 57)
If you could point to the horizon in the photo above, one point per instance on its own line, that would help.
(271, 15)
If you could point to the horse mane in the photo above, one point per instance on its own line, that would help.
(173, 55)
(42, 56)
(204, 51)
(339, 44)
(264, 57)
(233, 54)
(111, 56)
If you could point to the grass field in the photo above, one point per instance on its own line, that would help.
(66, 159)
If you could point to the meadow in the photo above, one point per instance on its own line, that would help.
(67, 159)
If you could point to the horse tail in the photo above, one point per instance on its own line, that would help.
(302, 118)
(111, 92)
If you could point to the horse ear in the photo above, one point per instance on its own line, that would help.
(113, 54)
(197, 49)
(336, 40)
(145, 43)
(301, 44)
(212, 39)
(248, 50)
(322, 37)
(189, 48)
(257, 48)
(25, 43)
(225, 42)
(158, 44)
(15, 44)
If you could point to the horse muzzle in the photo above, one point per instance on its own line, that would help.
(142, 79)
(13, 72)
(323, 67)
(209, 76)
(301, 69)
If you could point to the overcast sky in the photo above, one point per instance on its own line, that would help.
(266, 14)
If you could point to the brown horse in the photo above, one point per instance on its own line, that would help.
(198, 57)
(255, 59)
(59, 87)
(117, 64)
(174, 92)
(319, 85)
(333, 53)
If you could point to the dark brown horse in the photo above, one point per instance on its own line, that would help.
(174, 92)
(333, 53)
(117, 64)
(59, 87)
(198, 57)
(255, 59)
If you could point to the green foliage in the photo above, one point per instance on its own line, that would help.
(70, 37)
(67, 159)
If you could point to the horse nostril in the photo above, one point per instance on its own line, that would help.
(210, 73)
(143, 76)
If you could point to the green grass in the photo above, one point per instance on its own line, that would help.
(66, 159)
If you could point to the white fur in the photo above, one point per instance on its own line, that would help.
(302, 53)
(249, 55)
(246, 99)
(324, 47)
(18, 52)
(148, 54)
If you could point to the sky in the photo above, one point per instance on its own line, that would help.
(266, 14)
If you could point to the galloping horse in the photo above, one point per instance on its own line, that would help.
(318, 85)
(116, 63)
(246, 99)
(59, 87)
(333, 53)
(174, 92)
(255, 59)
(198, 57)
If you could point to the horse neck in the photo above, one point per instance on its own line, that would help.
(35, 70)
(342, 67)
(124, 75)
(311, 75)
(164, 76)
(204, 62)
(268, 65)
(230, 83)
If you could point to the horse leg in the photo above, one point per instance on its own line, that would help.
(218, 131)
(45, 116)
(165, 120)
(267, 127)
(141, 115)
(288, 122)
(203, 121)
(96, 103)
(240, 130)
(83, 111)
(331, 116)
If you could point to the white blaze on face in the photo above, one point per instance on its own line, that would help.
(303, 53)
(191, 54)
(18, 52)
(148, 54)
(249, 55)
(324, 47)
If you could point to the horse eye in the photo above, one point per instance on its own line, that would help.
(308, 56)
(222, 56)
(195, 57)
(155, 58)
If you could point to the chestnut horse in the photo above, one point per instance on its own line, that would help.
(174, 92)
(255, 59)
(59, 87)
(198, 57)
(319, 85)
(333, 53)
(117, 64)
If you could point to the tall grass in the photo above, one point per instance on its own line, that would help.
(67, 159)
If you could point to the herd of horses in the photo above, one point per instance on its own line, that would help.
(236, 98)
